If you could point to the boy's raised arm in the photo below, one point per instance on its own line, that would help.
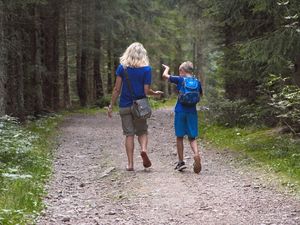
(166, 74)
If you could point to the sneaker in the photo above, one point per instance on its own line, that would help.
(180, 166)
(197, 164)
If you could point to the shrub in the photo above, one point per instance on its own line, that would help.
(230, 113)
(103, 101)
(285, 100)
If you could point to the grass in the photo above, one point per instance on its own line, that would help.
(26, 158)
(281, 153)
(25, 165)
(86, 110)
(162, 103)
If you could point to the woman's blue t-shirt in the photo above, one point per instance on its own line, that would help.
(179, 107)
(138, 77)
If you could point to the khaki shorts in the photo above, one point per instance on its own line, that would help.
(130, 126)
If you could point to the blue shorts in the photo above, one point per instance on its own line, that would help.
(186, 123)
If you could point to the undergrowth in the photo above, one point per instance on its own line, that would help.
(25, 164)
(279, 152)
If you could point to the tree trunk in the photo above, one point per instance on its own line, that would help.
(36, 61)
(109, 67)
(198, 66)
(163, 83)
(97, 59)
(55, 59)
(64, 59)
(78, 50)
(296, 75)
(82, 83)
(20, 113)
(115, 66)
(83, 74)
(50, 15)
(195, 53)
(3, 76)
(15, 86)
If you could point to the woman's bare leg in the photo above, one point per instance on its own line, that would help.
(143, 140)
(129, 145)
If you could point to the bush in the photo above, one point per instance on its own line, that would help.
(284, 98)
(25, 164)
(103, 101)
(230, 113)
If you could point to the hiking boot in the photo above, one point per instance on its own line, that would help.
(146, 161)
(180, 166)
(197, 164)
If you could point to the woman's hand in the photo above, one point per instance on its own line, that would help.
(109, 111)
(159, 93)
(149, 91)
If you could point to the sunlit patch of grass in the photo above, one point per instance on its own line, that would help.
(162, 103)
(280, 152)
(84, 110)
(25, 164)
(155, 103)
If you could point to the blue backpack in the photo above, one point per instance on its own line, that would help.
(189, 94)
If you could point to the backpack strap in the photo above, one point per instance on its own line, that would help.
(129, 84)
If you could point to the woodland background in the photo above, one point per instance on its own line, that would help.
(58, 54)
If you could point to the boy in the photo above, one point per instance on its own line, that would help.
(186, 118)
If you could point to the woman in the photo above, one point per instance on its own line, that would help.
(135, 61)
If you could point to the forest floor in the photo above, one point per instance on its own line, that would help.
(90, 185)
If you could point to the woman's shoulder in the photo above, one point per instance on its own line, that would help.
(141, 68)
(147, 68)
(120, 69)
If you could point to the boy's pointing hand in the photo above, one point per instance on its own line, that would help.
(166, 72)
(165, 66)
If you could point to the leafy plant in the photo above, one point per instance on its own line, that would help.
(103, 101)
(231, 113)
(24, 165)
(285, 99)
(280, 152)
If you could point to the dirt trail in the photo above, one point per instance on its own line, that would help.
(90, 185)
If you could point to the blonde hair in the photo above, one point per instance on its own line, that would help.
(135, 56)
(187, 67)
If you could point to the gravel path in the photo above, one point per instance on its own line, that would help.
(90, 184)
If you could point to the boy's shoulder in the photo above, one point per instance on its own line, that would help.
(176, 78)
(194, 77)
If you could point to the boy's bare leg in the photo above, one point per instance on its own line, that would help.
(129, 145)
(197, 159)
(179, 144)
(194, 146)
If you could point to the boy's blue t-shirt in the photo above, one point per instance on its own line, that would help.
(138, 77)
(179, 107)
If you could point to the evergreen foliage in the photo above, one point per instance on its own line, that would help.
(57, 54)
